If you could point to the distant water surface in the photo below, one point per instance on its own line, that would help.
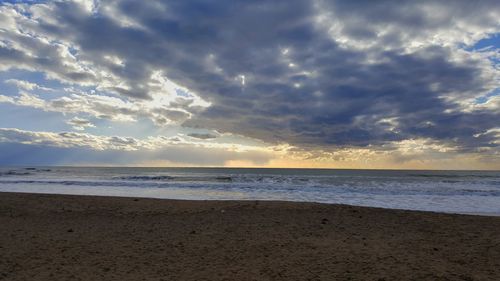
(441, 191)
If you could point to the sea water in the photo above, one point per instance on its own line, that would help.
(442, 191)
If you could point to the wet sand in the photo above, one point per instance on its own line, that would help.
(60, 237)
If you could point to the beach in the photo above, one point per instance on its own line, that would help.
(66, 237)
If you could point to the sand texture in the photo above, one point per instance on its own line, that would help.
(57, 237)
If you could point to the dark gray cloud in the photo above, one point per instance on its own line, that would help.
(308, 73)
(202, 136)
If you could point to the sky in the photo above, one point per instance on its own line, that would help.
(238, 83)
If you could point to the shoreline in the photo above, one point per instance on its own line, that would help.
(85, 237)
(482, 214)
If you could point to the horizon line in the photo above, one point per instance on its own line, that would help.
(222, 167)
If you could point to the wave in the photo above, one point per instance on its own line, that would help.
(452, 176)
(144, 178)
(24, 172)
(74, 183)
(174, 178)
(16, 173)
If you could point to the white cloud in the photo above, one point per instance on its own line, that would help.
(6, 99)
(109, 107)
(67, 139)
(494, 133)
(80, 124)
(26, 85)
(491, 104)
(77, 139)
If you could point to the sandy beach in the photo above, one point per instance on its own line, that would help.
(60, 237)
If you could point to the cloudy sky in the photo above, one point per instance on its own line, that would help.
(340, 84)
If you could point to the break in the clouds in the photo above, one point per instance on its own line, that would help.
(319, 81)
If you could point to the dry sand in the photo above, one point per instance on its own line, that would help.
(57, 237)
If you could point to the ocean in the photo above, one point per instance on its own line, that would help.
(471, 192)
